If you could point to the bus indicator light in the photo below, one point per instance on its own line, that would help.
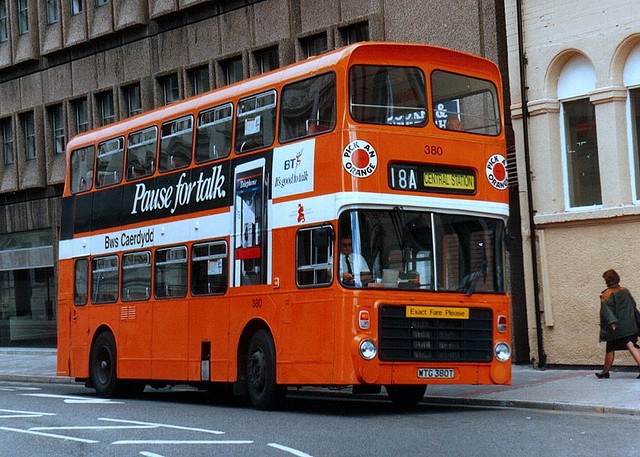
(364, 320)
(502, 323)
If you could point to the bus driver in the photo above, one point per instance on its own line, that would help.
(354, 269)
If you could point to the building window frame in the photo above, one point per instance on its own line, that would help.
(6, 129)
(23, 16)
(4, 23)
(199, 80)
(633, 110)
(81, 114)
(267, 59)
(52, 11)
(76, 7)
(583, 189)
(232, 70)
(133, 99)
(582, 184)
(355, 33)
(314, 45)
(631, 81)
(56, 117)
(106, 109)
(170, 87)
(28, 124)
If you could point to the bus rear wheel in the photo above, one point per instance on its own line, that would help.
(103, 365)
(405, 396)
(263, 391)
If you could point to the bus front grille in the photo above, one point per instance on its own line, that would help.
(409, 339)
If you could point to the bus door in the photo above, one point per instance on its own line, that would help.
(170, 329)
(79, 317)
(250, 241)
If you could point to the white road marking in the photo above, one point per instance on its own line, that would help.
(49, 435)
(177, 427)
(15, 413)
(182, 442)
(18, 389)
(150, 454)
(289, 450)
(94, 427)
(76, 400)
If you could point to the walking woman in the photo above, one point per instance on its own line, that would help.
(617, 322)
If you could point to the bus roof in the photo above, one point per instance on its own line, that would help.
(380, 52)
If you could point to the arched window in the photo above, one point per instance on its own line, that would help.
(631, 79)
(580, 143)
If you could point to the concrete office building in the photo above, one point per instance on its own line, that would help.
(580, 103)
(67, 66)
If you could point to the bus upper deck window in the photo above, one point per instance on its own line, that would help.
(256, 122)
(141, 153)
(110, 160)
(213, 135)
(176, 143)
(82, 169)
(388, 95)
(463, 103)
(308, 107)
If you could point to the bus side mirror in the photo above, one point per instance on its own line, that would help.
(508, 240)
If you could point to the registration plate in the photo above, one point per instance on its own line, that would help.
(436, 373)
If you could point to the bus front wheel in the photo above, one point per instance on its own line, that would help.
(103, 365)
(263, 391)
(406, 396)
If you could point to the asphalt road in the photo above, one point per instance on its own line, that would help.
(69, 420)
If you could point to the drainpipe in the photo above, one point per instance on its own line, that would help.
(542, 357)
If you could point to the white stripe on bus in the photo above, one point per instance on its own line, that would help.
(311, 210)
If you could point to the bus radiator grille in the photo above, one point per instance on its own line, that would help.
(404, 339)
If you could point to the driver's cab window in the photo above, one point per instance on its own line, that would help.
(314, 256)
(353, 267)
(389, 248)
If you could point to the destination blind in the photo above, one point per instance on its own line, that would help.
(431, 178)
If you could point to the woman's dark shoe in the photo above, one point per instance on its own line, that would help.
(603, 375)
(638, 377)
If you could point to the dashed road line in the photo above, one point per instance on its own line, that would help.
(183, 442)
(49, 435)
(176, 427)
(95, 427)
(16, 414)
(18, 389)
(76, 400)
(289, 450)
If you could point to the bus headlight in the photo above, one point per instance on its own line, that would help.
(368, 349)
(502, 352)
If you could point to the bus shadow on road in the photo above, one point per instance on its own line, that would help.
(309, 402)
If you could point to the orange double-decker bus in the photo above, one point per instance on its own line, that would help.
(337, 222)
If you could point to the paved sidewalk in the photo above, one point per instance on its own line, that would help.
(551, 389)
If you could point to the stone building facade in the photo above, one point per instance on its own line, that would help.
(578, 164)
(67, 66)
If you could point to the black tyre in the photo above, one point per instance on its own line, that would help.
(263, 391)
(103, 365)
(405, 396)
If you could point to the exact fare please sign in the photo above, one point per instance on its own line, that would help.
(437, 312)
